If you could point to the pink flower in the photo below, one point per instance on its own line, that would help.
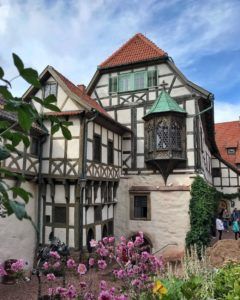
(71, 292)
(103, 285)
(57, 264)
(71, 263)
(111, 239)
(45, 265)
(54, 254)
(51, 277)
(145, 255)
(89, 296)
(18, 265)
(105, 240)
(102, 264)
(91, 262)
(121, 297)
(2, 271)
(61, 291)
(121, 274)
(105, 295)
(93, 243)
(130, 244)
(103, 251)
(51, 291)
(138, 241)
(83, 284)
(81, 269)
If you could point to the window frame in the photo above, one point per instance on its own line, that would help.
(110, 162)
(99, 152)
(54, 215)
(132, 205)
(50, 84)
(34, 148)
(216, 172)
(231, 149)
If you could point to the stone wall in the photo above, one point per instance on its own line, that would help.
(169, 204)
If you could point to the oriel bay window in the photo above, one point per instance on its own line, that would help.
(133, 81)
(140, 208)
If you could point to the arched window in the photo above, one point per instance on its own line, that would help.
(176, 136)
(162, 133)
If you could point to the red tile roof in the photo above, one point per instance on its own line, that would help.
(227, 135)
(138, 48)
(82, 94)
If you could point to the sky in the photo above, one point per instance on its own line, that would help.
(75, 36)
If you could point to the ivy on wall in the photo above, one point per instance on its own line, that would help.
(203, 210)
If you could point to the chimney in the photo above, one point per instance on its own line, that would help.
(82, 87)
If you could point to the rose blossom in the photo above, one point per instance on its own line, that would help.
(54, 254)
(18, 265)
(91, 261)
(102, 264)
(57, 264)
(105, 240)
(88, 296)
(103, 285)
(111, 239)
(45, 265)
(93, 243)
(61, 291)
(71, 263)
(105, 295)
(71, 292)
(81, 269)
(51, 277)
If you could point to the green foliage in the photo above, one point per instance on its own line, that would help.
(10, 138)
(173, 286)
(202, 209)
(227, 283)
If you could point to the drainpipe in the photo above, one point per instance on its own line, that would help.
(211, 98)
(83, 179)
(39, 212)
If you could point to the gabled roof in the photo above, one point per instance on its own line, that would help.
(138, 48)
(227, 135)
(165, 103)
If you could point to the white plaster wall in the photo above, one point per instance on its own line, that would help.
(169, 210)
(98, 229)
(18, 238)
(71, 238)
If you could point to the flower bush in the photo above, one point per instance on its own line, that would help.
(14, 268)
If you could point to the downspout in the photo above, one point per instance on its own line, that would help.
(40, 148)
(83, 179)
(211, 98)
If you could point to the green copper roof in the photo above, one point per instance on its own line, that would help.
(165, 103)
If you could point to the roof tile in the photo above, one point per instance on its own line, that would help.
(227, 135)
(138, 48)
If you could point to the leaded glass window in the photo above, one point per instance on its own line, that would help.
(162, 132)
(176, 136)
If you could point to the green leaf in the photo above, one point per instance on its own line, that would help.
(38, 100)
(4, 124)
(18, 62)
(31, 76)
(51, 107)
(50, 99)
(24, 120)
(55, 128)
(66, 123)
(21, 193)
(1, 73)
(4, 153)
(25, 140)
(5, 92)
(18, 209)
(66, 133)
(11, 174)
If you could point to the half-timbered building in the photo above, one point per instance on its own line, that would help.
(141, 133)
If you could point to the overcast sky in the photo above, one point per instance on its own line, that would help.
(75, 36)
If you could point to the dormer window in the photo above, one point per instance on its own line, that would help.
(50, 89)
(231, 151)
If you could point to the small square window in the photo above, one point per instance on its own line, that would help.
(216, 172)
(231, 151)
(97, 147)
(60, 214)
(50, 89)
(140, 207)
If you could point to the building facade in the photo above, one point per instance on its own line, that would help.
(141, 133)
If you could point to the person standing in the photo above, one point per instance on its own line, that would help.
(219, 226)
(235, 228)
(226, 218)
